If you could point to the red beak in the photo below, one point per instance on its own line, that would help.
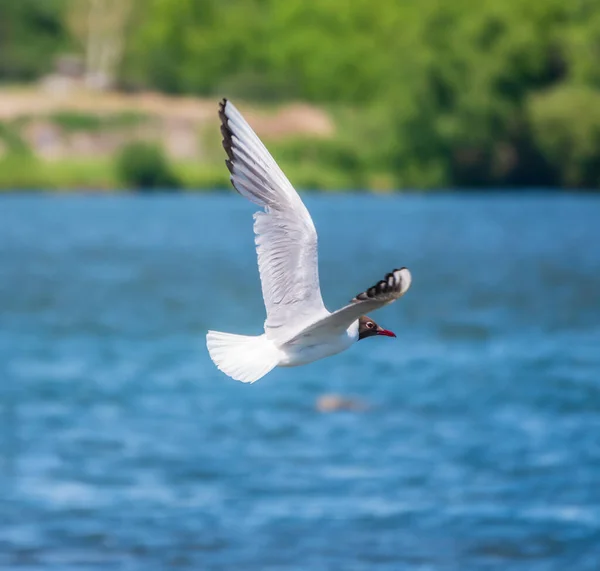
(386, 332)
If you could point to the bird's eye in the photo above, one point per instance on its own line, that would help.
(370, 325)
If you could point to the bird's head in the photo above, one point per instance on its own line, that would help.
(367, 328)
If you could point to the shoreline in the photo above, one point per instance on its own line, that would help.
(75, 139)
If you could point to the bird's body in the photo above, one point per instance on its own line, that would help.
(312, 346)
(298, 329)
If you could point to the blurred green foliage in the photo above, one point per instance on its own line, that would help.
(431, 93)
(566, 127)
(144, 166)
(70, 121)
(11, 140)
(32, 33)
(29, 173)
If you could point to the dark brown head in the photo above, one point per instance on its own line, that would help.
(367, 328)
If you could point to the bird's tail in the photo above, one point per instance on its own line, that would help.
(245, 358)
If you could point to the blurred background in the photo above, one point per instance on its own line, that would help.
(412, 94)
(469, 442)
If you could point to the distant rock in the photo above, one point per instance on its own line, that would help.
(333, 403)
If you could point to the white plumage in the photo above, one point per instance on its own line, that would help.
(298, 328)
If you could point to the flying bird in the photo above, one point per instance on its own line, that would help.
(298, 328)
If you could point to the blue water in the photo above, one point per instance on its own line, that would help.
(475, 445)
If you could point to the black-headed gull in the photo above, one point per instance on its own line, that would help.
(298, 328)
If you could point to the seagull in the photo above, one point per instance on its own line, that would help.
(298, 329)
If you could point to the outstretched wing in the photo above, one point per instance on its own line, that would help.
(286, 239)
(392, 287)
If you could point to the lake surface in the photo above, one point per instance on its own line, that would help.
(475, 445)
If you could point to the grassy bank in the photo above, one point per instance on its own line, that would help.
(19, 173)
(113, 141)
(102, 174)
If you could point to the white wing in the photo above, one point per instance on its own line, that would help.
(286, 239)
(384, 292)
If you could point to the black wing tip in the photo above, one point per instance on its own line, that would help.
(390, 284)
(226, 133)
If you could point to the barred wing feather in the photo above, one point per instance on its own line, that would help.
(286, 239)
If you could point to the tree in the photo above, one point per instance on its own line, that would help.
(31, 34)
(100, 26)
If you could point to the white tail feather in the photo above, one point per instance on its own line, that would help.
(245, 358)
